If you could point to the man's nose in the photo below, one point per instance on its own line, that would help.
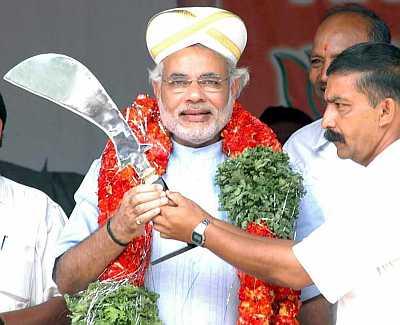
(328, 120)
(195, 92)
(324, 76)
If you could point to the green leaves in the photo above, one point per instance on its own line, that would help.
(113, 302)
(259, 185)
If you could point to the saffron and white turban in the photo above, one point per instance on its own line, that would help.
(175, 29)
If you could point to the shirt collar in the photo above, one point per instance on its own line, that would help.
(385, 158)
(213, 149)
(319, 141)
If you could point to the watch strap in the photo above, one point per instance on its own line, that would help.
(198, 237)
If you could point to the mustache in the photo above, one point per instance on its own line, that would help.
(333, 136)
(196, 106)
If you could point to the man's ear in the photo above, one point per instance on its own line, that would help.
(235, 86)
(156, 88)
(387, 111)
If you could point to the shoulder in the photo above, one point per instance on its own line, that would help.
(14, 190)
(20, 198)
(89, 185)
(24, 195)
(304, 140)
(306, 136)
(302, 145)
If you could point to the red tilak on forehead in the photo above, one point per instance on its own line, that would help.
(325, 48)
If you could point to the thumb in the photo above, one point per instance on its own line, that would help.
(175, 197)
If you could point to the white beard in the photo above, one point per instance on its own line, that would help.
(202, 133)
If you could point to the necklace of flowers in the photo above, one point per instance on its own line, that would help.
(241, 132)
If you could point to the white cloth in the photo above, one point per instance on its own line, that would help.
(196, 287)
(354, 257)
(30, 223)
(174, 29)
(323, 175)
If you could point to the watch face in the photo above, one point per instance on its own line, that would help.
(197, 238)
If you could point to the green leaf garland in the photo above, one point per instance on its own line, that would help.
(113, 302)
(259, 185)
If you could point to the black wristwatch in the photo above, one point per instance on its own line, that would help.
(198, 237)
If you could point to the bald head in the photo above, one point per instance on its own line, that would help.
(378, 31)
(335, 34)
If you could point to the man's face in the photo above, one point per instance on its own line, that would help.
(350, 120)
(333, 36)
(195, 113)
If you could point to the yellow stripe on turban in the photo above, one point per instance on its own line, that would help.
(175, 29)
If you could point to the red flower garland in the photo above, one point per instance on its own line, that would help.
(259, 303)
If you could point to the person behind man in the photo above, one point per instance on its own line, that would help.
(195, 82)
(310, 153)
(284, 120)
(30, 223)
(354, 257)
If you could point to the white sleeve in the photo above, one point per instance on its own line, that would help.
(83, 219)
(359, 238)
(310, 214)
(55, 221)
(328, 257)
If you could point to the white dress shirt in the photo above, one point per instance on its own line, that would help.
(30, 223)
(324, 174)
(354, 257)
(196, 287)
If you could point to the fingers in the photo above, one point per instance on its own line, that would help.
(149, 203)
(143, 192)
(175, 197)
(137, 208)
(158, 225)
(143, 198)
(147, 188)
(162, 235)
(171, 203)
(147, 216)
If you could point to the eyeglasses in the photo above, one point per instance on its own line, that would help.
(208, 84)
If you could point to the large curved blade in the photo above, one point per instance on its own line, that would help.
(68, 83)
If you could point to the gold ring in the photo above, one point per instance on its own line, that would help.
(138, 222)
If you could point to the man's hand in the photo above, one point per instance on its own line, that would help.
(84, 262)
(138, 206)
(53, 311)
(177, 220)
(249, 253)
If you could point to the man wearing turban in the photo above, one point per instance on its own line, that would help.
(196, 83)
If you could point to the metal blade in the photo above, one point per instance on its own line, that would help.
(173, 254)
(68, 83)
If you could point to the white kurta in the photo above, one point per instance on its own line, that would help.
(30, 223)
(196, 287)
(354, 257)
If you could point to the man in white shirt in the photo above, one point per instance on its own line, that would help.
(195, 82)
(310, 153)
(30, 223)
(354, 257)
